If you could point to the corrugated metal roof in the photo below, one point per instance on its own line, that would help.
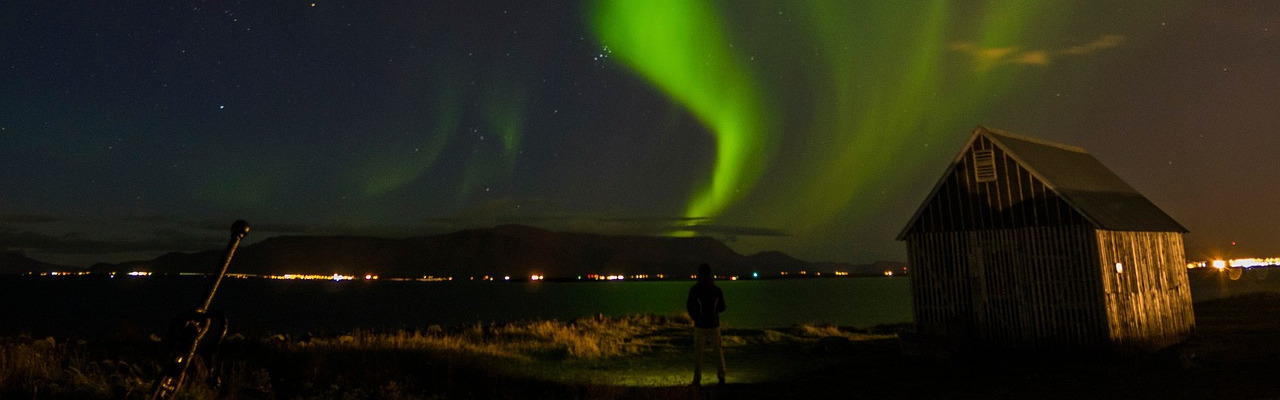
(1090, 187)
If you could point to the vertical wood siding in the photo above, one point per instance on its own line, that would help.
(1022, 288)
(1008, 263)
(1148, 301)
(1016, 199)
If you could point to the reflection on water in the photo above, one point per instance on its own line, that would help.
(95, 306)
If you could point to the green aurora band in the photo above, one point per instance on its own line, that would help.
(825, 114)
(872, 114)
(866, 98)
(490, 161)
(866, 114)
(388, 172)
(680, 47)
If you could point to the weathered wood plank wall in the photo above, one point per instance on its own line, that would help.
(1148, 298)
(1032, 287)
(1000, 259)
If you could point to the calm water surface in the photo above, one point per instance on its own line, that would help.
(102, 307)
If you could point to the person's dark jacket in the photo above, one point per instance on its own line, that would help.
(705, 304)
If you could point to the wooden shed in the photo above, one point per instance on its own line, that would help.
(1030, 244)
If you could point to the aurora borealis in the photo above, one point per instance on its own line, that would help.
(813, 127)
(680, 46)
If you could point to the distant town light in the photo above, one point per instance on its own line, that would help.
(59, 273)
(1253, 262)
(1219, 264)
(1119, 268)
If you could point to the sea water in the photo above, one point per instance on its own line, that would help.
(97, 306)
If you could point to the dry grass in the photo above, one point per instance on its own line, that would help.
(825, 331)
(58, 369)
(480, 360)
(640, 356)
(583, 339)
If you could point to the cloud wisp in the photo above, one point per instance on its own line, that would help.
(992, 57)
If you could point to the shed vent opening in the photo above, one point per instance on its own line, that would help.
(984, 165)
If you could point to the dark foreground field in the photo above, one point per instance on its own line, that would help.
(1236, 354)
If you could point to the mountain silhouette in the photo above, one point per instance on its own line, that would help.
(508, 250)
(13, 263)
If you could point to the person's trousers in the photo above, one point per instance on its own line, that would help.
(700, 338)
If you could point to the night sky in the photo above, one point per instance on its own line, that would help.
(130, 129)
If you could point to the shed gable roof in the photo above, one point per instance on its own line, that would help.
(1089, 187)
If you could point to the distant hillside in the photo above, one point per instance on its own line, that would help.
(12, 263)
(517, 251)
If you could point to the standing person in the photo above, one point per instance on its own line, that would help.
(705, 304)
